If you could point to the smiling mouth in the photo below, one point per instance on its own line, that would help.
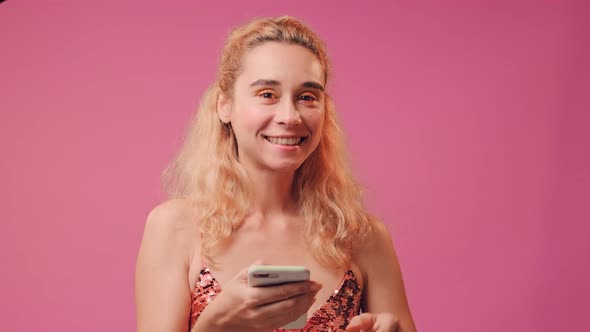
(291, 141)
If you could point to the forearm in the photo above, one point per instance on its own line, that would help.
(205, 324)
(209, 321)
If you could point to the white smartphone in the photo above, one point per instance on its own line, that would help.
(268, 275)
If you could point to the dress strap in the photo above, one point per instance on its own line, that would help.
(203, 261)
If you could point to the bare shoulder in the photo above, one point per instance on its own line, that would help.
(384, 286)
(161, 279)
(173, 214)
(170, 228)
(379, 232)
(378, 243)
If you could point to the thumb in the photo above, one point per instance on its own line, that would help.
(363, 322)
(243, 274)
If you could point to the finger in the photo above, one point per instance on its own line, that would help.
(282, 312)
(270, 294)
(387, 322)
(243, 274)
(362, 322)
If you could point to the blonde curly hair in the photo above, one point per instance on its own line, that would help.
(206, 170)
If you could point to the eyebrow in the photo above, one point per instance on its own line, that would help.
(310, 84)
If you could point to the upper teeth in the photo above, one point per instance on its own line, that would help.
(284, 140)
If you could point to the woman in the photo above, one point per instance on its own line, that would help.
(262, 178)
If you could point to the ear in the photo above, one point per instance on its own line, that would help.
(224, 108)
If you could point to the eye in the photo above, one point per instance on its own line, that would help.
(307, 98)
(267, 95)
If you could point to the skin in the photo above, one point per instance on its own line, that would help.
(278, 93)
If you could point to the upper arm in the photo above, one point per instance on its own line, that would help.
(162, 297)
(384, 286)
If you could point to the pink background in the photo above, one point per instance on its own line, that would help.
(467, 121)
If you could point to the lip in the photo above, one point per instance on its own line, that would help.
(286, 136)
(304, 139)
(284, 147)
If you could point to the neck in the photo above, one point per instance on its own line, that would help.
(272, 192)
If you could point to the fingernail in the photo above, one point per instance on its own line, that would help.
(316, 287)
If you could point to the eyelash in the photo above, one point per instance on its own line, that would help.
(265, 93)
(312, 98)
(262, 94)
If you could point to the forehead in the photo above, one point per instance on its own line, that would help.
(286, 63)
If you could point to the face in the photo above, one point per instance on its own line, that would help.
(277, 107)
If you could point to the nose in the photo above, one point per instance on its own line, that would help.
(287, 114)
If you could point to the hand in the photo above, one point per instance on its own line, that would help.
(242, 308)
(369, 322)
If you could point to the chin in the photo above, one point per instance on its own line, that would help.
(285, 166)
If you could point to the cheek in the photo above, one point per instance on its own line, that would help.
(315, 121)
(249, 119)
